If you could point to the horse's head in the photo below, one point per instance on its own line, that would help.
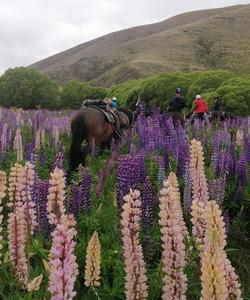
(129, 113)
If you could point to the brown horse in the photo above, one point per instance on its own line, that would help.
(90, 125)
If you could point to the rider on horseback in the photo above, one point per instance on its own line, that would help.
(175, 107)
(217, 103)
(111, 103)
(200, 107)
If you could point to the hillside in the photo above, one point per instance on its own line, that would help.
(199, 40)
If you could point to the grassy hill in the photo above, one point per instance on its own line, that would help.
(199, 40)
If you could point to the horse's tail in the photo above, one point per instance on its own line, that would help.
(76, 155)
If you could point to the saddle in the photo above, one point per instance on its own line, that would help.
(118, 119)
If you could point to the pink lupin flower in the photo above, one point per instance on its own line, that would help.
(43, 138)
(56, 196)
(136, 280)
(232, 281)
(4, 137)
(56, 134)
(18, 145)
(199, 191)
(2, 195)
(62, 261)
(21, 222)
(173, 232)
(38, 139)
(17, 236)
(17, 227)
(25, 187)
(13, 190)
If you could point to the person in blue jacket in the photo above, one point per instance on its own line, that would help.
(114, 103)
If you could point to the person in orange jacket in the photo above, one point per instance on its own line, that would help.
(200, 107)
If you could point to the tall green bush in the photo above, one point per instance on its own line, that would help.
(27, 88)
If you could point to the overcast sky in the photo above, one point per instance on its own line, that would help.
(31, 30)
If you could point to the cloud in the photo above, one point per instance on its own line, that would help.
(31, 30)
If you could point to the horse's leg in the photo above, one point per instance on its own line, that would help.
(76, 156)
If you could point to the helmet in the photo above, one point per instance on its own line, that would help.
(198, 97)
(178, 91)
(114, 99)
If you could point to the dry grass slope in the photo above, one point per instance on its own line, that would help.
(200, 40)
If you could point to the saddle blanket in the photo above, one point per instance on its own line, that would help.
(118, 118)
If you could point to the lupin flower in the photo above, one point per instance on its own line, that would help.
(232, 281)
(187, 190)
(62, 261)
(58, 162)
(40, 196)
(104, 171)
(56, 195)
(130, 174)
(17, 227)
(197, 170)
(239, 137)
(18, 145)
(25, 187)
(38, 140)
(2, 195)
(199, 191)
(23, 220)
(34, 285)
(218, 278)
(42, 141)
(56, 135)
(136, 280)
(173, 232)
(147, 200)
(17, 236)
(4, 137)
(85, 190)
(100, 182)
(13, 191)
(212, 265)
(93, 261)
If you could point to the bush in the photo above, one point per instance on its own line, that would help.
(74, 92)
(27, 88)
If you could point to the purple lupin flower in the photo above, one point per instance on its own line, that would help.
(42, 159)
(40, 196)
(28, 151)
(58, 163)
(147, 202)
(217, 189)
(161, 171)
(104, 171)
(241, 170)
(85, 191)
(74, 204)
(239, 192)
(187, 194)
(131, 172)
(247, 149)
(100, 181)
(148, 247)
(183, 157)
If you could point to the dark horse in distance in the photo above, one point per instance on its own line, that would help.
(213, 116)
(91, 125)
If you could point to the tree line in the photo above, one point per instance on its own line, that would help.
(29, 89)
